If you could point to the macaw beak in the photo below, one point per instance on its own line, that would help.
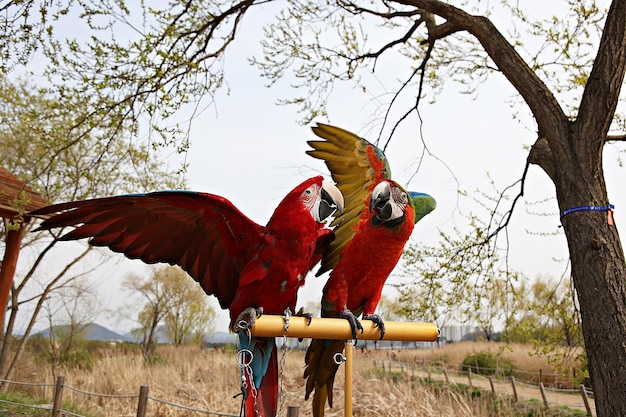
(331, 200)
(380, 201)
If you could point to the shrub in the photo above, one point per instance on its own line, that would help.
(486, 363)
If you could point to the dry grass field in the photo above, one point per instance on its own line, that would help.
(521, 356)
(209, 380)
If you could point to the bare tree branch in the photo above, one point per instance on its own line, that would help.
(605, 82)
(441, 31)
(395, 42)
(539, 98)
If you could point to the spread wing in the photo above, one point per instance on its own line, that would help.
(202, 233)
(356, 166)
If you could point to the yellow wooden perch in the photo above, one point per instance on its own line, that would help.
(339, 329)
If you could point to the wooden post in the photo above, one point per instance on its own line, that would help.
(469, 377)
(292, 411)
(348, 380)
(142, 403)
(57, 402)
(514, 388)
(8, 265)
(543, 395)
(493, 388)
(583, 392)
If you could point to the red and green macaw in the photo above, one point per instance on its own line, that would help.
(370, 235)
(248, 267)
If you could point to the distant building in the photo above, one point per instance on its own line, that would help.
(456, 333)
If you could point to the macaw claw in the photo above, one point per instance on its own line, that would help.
(247, 318)
(378, 322)
(354, 322)
(307, 316)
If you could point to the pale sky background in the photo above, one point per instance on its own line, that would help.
(251, 151)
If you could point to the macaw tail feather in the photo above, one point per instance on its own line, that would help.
(269, 387)
(263, 396)
(320, 370)
(319, 400)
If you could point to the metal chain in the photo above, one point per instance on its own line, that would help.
(244, 358)
(283, 359)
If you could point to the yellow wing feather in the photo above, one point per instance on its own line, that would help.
(356, 167)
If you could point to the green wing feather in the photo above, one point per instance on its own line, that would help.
(356, 166)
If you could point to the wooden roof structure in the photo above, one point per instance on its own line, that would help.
(12, 192)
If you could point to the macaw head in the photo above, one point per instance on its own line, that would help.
(322, 198)
(389, 202)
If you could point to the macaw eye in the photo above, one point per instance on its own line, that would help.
(400, 196)
(308, 195)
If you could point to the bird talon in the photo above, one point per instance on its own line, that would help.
(355, 324)
(378, 322)
(246, 319)
(307, 316)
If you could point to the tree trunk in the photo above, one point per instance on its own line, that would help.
(597, 256)
(599, 274)
(148, 343)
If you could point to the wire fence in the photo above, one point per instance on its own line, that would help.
(546, 387)
(135, 403)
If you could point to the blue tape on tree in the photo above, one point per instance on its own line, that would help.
(587, 208)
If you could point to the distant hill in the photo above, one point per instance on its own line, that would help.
(218, 338)
(92, 331)
(95, 332)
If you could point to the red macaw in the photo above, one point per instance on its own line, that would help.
(370, 235)
(248, 267)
